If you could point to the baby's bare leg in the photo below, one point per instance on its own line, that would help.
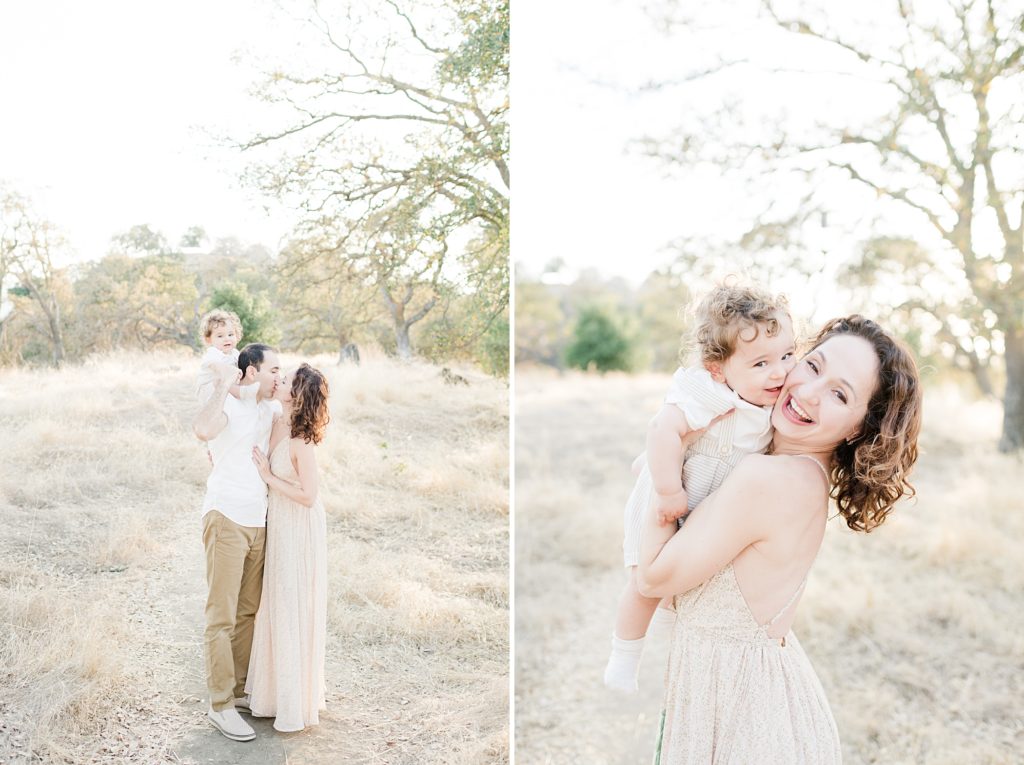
(631, 624)
(635, 610)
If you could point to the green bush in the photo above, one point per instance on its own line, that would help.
(259, 325)
(598, 343)
(492, 350)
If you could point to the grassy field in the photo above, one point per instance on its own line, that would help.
(916, 630)
(102, 580)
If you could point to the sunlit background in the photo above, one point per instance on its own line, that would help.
(857, 157)
(337, 175)
(660, 148)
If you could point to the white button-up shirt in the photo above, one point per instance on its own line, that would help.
(234, 487)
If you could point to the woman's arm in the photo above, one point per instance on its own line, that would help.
(305, 465)
(720, 528)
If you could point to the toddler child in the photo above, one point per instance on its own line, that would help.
(222, 331)
(746, 343)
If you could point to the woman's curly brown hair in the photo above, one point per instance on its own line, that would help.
(309, 404)
(869, 473)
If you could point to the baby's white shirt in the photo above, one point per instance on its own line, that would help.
(711, 457)
(213, 357)
(701, 399)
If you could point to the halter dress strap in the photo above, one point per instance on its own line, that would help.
(790, 602)
(816, 462)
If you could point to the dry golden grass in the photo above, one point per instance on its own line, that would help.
(102, 582)
(916, 630)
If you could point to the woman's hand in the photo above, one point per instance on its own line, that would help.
(690, 438)
(262, 464)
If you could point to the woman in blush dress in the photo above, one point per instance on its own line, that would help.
(286, 667)
(739, 688)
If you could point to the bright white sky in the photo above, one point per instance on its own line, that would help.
(110, 109)
(578, 195)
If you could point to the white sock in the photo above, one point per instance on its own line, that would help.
(624, 664)
(661, 623)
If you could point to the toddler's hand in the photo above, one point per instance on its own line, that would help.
(671, 507)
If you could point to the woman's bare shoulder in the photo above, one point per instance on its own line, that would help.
(301, 446)
(783, 482)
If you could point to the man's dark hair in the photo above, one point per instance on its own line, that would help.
(252, 356)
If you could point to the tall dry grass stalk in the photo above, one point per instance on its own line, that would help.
(100, 629)
(916, 630)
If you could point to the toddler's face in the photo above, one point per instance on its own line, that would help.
(758, 367)
(223, 338)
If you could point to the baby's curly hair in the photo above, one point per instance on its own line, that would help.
(727, 312)
(869, 473)
(218, 317)
(310, 414)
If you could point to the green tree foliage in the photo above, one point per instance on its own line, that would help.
(472, 323)
(259, 324)
(404, 161)
(492, 351)
(662, 301)
(542, 327)
(598, 343)
(325, 304)
(549, 307)
(140, 240)
(195, 236)
(137, 302)
(228, 259)
(31, 253)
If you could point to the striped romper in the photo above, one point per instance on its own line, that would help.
(711, 458)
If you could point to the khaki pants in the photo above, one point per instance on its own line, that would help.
(234, 577)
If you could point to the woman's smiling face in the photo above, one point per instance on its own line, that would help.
(825, 397)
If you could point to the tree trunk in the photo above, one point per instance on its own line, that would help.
(397, 310)
(402, 324)
(55, 332)
(402, 340)
(980, 372)
(348, 353)
(1013, 399)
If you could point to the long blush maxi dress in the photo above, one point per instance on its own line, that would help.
(286, 667)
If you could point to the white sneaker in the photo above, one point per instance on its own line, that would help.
(242, 704)
(231, 725)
